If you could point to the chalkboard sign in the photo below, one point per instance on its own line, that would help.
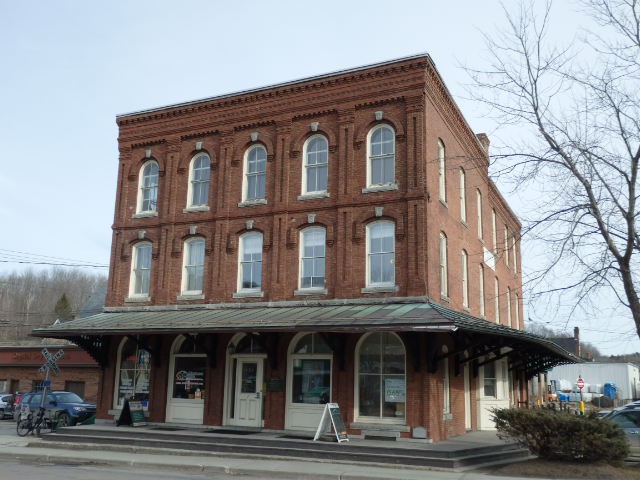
(132, 414)
(332, 419)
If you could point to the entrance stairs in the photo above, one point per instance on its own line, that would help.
(469, 451)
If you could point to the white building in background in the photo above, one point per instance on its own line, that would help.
(626, 376)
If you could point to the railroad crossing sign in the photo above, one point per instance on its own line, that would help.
(51, 361)
(580, 383)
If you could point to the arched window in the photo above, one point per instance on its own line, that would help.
(381, 244)
(465, 279)
(133, 373)
(381, 377)
(382, 156)
(189, 369)
(199, 177)
(496, 300)
(316, 162)
(463, 195)
(148, 188)
(444, 266)
(481, 290)
(312, 258)
(494, 231)
(255, 173)
(140, 270)
(479, 213)
(193, 266)
(442, 172)
(250, 263)
(311, 370)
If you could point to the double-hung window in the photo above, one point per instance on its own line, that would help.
(255, 174)
(442, 172)
(465, 279)
(199, 181)
(381, 254)
(312, 258)
(463, 196)
(141, 270)
(148, 188)
(193, 273)
(316, 163)
(444, 266)
(382, 157)
(250, 264)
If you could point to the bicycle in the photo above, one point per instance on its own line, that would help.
(27, 424)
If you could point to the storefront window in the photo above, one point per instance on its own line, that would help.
(381, 377)
(311, 370)
(188, 380)
(134, 373)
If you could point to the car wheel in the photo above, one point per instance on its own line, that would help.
(63, 420)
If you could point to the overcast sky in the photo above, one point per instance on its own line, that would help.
(69, 67)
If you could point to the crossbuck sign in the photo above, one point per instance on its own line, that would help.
(51, 361)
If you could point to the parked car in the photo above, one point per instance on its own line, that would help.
(6, 405)
(70, 408)
(629, 420)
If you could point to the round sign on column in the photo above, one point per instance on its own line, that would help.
(580, 383)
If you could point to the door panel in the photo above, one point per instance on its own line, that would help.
(248, 408)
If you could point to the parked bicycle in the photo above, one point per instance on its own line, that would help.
(39, 424)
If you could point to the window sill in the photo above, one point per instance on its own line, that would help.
(253, 294)
(445, 298)
(381, 289)
(380, 188)
(188, 296)
(466, 308)
(314, 195)
(464, 223)
(252, 203)
(310, 291)
(145, 215)
(444, 203)
(199, 208)
(138, 299)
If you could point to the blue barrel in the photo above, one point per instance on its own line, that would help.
(610, 390)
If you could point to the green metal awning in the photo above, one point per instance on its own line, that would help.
(403, 318)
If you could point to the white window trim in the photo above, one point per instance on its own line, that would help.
(517, 311)
(140, 197)
(392, 185)
(306, 193)
(138, 297)
(446, 386)
(191, 207)
(463, 196)
(509, 307)
(444, 266)
(311, 290)
(479, 214)
(465, 279)
(481, 282)
(494, 231)
(506, 245)
(496, 301)
(442, 172)
(189, 294)
(374, 287)
(246, 201)
(249, 292)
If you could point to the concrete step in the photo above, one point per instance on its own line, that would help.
(259, 445)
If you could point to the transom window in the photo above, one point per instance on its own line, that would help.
(141, 269)
(148, 193)
(200, 176)
(381, 377)
(382, 156)
(255, 173)
(381, 253)
(312, 258)
(193, 273)
(316, 163)
(250, 271)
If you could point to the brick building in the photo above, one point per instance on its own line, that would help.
(335, 238)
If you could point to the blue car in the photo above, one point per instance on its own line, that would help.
(69, 408)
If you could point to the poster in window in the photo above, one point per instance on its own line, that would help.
(394, 390)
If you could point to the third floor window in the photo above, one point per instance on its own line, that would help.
(382, 156)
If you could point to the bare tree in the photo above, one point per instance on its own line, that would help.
(580, 108)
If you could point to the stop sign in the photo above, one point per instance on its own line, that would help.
(580, 383)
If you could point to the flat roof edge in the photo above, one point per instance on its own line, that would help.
(276, 85)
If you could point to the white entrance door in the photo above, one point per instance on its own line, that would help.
(248, 398)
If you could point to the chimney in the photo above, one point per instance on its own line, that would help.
(484, 140)
(576, 336)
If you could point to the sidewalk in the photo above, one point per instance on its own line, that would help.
(30, 449)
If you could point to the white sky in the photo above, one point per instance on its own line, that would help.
(67, 68)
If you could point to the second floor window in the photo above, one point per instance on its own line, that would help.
(148, 193)
(193, 266)
(382, 156)
(481, 290)
(381, 254)
(444, 266)
(199, 181)
(465, 279)
(479, 214)
(463, 195)
(312, 258)
(255, 173)
(316, 161)
(250, 271)
(442, 172)
(141, 270)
